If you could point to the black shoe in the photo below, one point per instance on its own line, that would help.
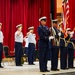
(55, 70)
(47, 71)
(31, 64)
(64, 68)
(42, 71)
(1, 66)
(72, 67)
(21, 65)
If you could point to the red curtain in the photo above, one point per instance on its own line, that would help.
(45, 10)
(27, 12)
(72, 14)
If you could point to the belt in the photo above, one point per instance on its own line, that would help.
(64, 41)
(31, 43)
(1, 43)
(18, 42)
(71, 43)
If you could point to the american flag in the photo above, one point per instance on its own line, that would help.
(65, 6)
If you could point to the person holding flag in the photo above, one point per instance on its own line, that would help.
(70, 48)
(63, 48)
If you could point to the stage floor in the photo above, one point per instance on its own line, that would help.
(26, 69)
(70, 73)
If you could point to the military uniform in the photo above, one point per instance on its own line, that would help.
(55, 50)
(18, 47)
(43, 45)
(31, 47)
(1, 45)
(26, 46)
(55, 47)
(70, 49)
(63, 52)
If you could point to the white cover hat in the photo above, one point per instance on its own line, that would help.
(19, 25)
(68, 29)
(44, 17)
(32, 27)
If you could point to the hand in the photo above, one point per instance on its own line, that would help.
(74, 29)
(59, 34)
(28, 33)
(71, 34)
(51, 37)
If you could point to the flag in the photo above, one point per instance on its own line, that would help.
(65, 6)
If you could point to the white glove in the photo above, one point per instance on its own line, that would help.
(51, 37)
(59, 34)
(60, 29)
(71, 34)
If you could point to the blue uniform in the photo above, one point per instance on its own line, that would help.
(70, 49)
(63, 52)
(43, 33)
(54, 50)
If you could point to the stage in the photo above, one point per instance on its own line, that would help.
(11, 69)
(70, 73)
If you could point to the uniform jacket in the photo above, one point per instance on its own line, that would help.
(43, 33)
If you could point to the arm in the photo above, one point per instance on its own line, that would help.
(42, 35)
(73, 40)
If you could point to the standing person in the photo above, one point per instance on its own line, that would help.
(18, 45)
(70, 48)
(55, 46)
(26, 45)
(44, 33)
(31, 45)
(1, 44)
(63, 49)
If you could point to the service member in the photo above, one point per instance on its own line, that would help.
(55, 46)
(1, 45)
(70, 48)
(63, 48)
(26, 45)
(18, 45)
(43, 33)
(31, 45)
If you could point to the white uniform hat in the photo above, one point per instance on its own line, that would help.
(0, 23)
(43, 18)
(68, 29)
(55, 20)
(30, 28)
(19, 25)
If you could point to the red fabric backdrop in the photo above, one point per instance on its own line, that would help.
(72, 14)
(27, 12)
